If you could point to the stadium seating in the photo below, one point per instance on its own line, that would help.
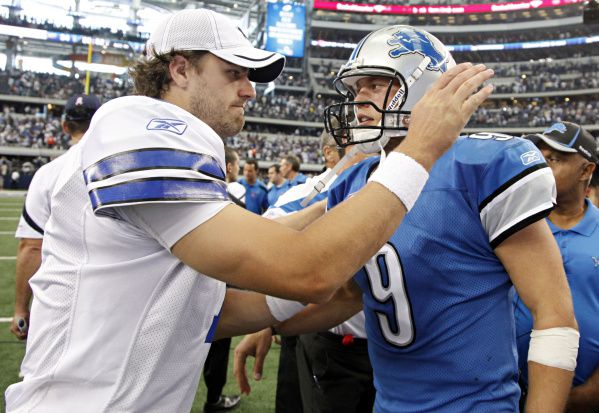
(534, 86)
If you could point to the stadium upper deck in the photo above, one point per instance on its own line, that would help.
(541, 77)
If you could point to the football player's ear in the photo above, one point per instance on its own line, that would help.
(65, 128)
(328, 152)
(178, 68)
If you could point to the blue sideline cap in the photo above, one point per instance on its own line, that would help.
(81, 107)
(570, 138)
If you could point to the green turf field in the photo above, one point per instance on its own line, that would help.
(11, 350)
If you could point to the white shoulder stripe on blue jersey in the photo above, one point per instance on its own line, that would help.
(291, 206)
(291, 200)
(520, 222)
(532, 196)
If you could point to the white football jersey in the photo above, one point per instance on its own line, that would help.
(118, 324)
(37, 204)
(290, 202)
(238, 191)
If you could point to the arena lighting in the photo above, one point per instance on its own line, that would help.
(444, 9)
(473, 47)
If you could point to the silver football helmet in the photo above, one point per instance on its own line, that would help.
(412, 57)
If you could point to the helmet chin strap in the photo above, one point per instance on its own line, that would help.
(365, 134)
(415, 75)
(319, 186)
(367, 148)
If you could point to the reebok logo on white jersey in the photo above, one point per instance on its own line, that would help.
(530, 157)
(171, 125)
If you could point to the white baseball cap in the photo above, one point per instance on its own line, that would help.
(202, 29)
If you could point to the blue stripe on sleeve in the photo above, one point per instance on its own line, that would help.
(159, 189)
(212, 329)
(153, 158)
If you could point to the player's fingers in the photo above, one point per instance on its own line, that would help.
(18, 333)
(243, 383)
(259, 365)
(239, 371)
(448, 76)
(476, 100)
(464, 77)
(469, 86)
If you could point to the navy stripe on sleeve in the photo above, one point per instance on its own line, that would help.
(159, 189)
(520, 225)
(31, 222)
(153, 158)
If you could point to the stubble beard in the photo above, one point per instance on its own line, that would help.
(215, 114)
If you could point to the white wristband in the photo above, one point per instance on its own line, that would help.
(401, 175)
(554, 347)
(282, 309)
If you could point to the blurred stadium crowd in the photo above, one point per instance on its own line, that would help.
(533, 87)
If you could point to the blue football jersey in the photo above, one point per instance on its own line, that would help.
(274, 192)
(291, 200)
(256, 196)
(439, 321)
(579, 247)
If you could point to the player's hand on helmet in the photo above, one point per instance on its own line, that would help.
(255, 345)
(439, 117)
(19, 325)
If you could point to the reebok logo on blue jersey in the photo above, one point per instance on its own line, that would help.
(170, 125)
(596, 262)
(530, 157)
(407, 41)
